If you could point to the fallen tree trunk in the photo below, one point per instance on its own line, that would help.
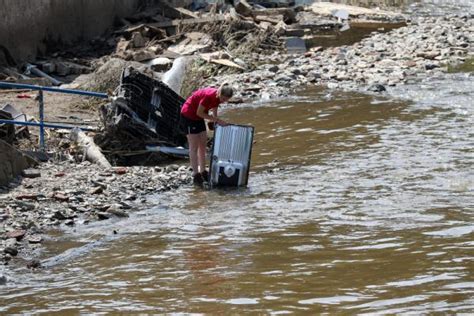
(92, 152)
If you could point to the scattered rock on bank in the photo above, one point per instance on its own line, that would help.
(84, 193)
(425, 46)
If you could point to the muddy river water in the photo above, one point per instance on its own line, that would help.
(356, 204)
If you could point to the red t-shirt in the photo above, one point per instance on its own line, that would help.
(206, 97)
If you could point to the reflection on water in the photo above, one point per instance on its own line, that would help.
(368, 209)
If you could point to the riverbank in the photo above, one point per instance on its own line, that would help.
(66, 193)
(426, 47)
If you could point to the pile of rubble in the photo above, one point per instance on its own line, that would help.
(224, 39)
(158, 35)
(143, 112)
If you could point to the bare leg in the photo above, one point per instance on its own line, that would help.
(193, 142)
(201, 152)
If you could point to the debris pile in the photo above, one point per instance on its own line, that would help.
(145, 111)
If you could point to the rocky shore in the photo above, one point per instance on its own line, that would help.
(425, 47)
(66, 193)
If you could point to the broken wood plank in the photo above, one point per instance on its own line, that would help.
(269, 19)
(327, 8)
(289, 15)
(171, 23)
(221, 61)
(186, 12)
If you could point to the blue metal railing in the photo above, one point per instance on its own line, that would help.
(42, 125)
(51, 89)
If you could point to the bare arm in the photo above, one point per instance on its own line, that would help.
(201, 112)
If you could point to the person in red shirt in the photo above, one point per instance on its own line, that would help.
(202, 105)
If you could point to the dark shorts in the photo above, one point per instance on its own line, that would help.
(193, 126)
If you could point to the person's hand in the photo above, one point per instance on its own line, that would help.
(221, 122)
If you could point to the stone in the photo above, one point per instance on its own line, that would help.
(3, 280)
(377, 88)
(117, 211)
(97, 190)
(429, 55)
(69, 222)
(274, 68)
(31, 173)
(120, 170)
(17, 234)
(35, 239)
(103, 215)
(11, 251)
(25, 206)
(59, 216)
(61, 197)
(33, 264)
(431, 66)
(27, 196)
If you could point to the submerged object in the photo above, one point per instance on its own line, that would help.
(230, 155)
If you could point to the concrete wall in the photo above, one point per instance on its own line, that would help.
(27, 25)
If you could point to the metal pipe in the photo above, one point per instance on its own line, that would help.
(34, 70)
(41, 118)
(45, 124)
(50, 89)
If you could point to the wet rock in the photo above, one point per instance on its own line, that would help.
(103, 215)
(377, 88)
(59, 216)
(33, 264)
(117, 211)
(3, 280)
(13, 251)
(69, 222)
(131, 197)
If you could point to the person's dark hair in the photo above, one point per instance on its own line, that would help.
(225, 90)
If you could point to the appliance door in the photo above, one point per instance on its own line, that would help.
(230, 156)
